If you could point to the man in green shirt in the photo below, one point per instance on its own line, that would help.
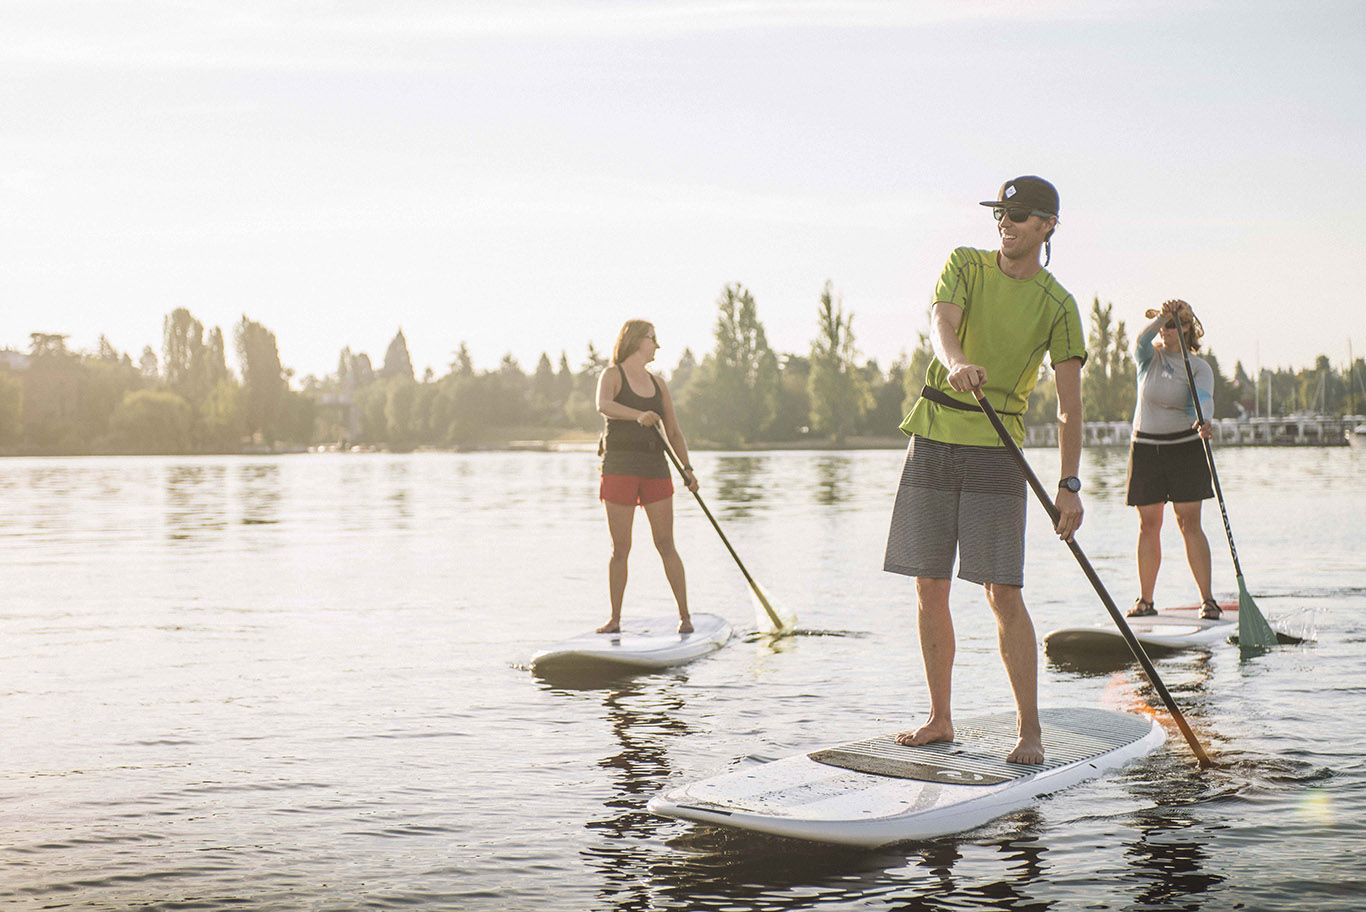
(996, 315)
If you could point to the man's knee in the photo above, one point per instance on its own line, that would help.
(1005, 599)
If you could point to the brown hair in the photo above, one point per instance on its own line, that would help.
(633, 332)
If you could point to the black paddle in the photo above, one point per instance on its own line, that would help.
(1134, 645)
(753, 586)
(1253, 630)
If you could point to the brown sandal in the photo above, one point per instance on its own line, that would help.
(1210, 610)
(1141, 609)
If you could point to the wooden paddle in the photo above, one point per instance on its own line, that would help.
(753, 586)
(1253, 630)
(1134, 645)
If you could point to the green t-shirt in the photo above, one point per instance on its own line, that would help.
(1008, 326)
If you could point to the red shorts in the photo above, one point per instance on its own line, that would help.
(630, 490)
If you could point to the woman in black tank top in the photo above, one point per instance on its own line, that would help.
(635, 405)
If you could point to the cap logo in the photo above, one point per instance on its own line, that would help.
(1010, 191)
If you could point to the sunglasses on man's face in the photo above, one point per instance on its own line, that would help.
(1017, 214)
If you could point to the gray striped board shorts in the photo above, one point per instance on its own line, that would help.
(952, 497)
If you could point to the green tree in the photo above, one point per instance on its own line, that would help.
(151, 421)
(1042, 407)
(543, 391)
(222, 418)
(147, 364)
(1225, 393)
(1110, 379)
(839, 392)
(184, 357)
(1244, 393)
(734, 392)
(216, 359)
(397, 362)
(885, 417)
(104, 380)
(564, 386)
(463, 365)
(581, 407)
(400, 413)
(917, 370)
(263, 378)
(11, 409)
(51, 395)
(682, 375)
(792, 418)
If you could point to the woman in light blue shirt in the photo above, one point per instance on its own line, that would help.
(1166, 457)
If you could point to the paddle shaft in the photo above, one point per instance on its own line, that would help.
(1134, 645)
(673, 457)
(1209, 451)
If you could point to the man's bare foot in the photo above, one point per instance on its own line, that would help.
(610, 627)
(1027, 750)
(932, 730)
(685, 625)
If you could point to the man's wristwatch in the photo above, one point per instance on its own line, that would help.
(1070, 483)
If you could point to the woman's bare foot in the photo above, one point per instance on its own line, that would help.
(610, 627)
(1027, 750)
(931, 731)
(685, 625)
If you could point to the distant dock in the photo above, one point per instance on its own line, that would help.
(1292, 430)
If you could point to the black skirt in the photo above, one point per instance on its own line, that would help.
(1176, 472)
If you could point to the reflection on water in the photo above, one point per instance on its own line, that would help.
(834, 477)
(312, 669)
(643, 717)
(196, 500)
(736, 480)
(260, 493)
(1171, 861)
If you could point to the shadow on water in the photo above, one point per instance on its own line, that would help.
(591, 675)
(1093, 663)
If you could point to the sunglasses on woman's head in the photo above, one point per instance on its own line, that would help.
(1017, 214)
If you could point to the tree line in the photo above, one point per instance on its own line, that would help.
(185, 399)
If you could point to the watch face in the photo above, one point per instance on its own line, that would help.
(1072, 484)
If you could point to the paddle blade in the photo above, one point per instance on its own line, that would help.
(767, 617)
(1253, 630)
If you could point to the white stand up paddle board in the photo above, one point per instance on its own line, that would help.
(874, 792)
(645, 643)
(1178, 628)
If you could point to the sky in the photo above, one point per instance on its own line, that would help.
(522, 177)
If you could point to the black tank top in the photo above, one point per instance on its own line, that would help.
(630, 448)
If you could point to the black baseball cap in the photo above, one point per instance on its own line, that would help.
(1028, 191)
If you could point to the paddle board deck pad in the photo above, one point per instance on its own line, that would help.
(1177, 628)
(875, 792)
(646, 643)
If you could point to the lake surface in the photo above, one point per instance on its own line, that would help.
(301, 683)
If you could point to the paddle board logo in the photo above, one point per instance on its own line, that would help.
(952, 775)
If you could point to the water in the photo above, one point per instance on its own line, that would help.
(300, 683)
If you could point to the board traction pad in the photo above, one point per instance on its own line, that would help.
(976, 755)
